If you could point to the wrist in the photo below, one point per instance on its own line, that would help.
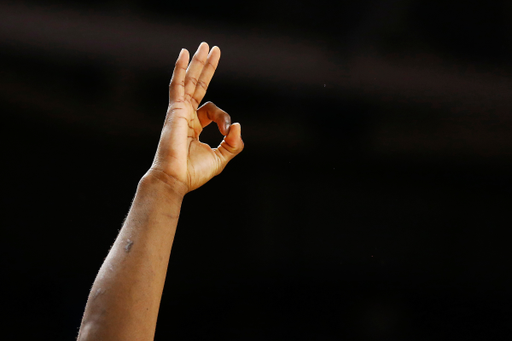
(167, 183)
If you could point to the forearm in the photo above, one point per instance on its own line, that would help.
(124, 300)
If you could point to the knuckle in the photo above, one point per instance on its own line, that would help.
(199, 60)
(209, 105)
(172, 117)
(240, 147)
(212, 66)
(193, 80)
(196, 102)
(206, 107)
(214, 107)
(202, 84)
(175, 83)
(187, 98)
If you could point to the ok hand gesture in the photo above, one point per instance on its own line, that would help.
(180, 156)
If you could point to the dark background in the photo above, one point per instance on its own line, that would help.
(371, 202)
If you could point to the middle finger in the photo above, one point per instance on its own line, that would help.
(194, 70)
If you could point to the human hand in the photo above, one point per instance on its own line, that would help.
(180, 155)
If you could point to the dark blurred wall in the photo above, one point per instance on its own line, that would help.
(371, 201)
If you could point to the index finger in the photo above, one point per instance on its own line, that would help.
(209, 112)
(177, 85)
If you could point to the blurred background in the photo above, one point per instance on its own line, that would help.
(371, 202)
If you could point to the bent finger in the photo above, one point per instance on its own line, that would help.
(209, 112)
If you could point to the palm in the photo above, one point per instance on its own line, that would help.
(203, 164)
(180, 153)
(202, 161)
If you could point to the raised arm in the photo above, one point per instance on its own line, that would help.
(125, 297)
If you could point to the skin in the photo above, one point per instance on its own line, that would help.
(124, 300)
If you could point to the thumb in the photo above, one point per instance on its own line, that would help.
(231, 145)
